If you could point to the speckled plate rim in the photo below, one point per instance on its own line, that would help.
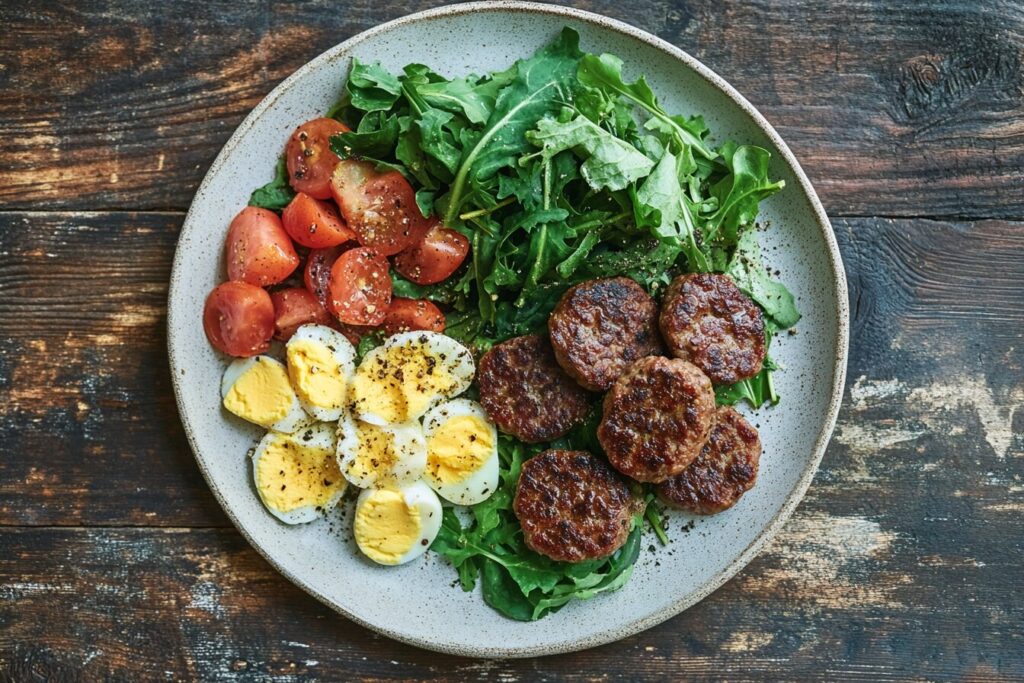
(841, 304)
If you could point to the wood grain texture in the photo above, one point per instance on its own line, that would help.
(901, 563)
(894, 108)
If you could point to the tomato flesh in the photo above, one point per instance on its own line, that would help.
(315, 223)
(435, 257)
(405, 315)
(317, 273)
(258, 250)
(310, 159)
(379, 207)
(294, 307)
(359, 287)
(238, 319)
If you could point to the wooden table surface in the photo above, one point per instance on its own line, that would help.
(903, 562)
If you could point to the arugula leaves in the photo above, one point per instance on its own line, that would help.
(558, 170)
(276, 194)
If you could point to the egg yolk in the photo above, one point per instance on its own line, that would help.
(401, 383)
(261, 394)
(458, 448)
(385, 527)
(290, 475)
(315, 374)
(375, 453)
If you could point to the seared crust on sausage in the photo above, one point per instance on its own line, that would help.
(600, 327)
(708, 321)
(525, 392)
(725, 469)
(657, 417)
(572, 506)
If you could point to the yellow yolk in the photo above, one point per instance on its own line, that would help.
(315, 374)
(291, 476)
(261, 395)
(376, 451)
(458, 448)
(400, 383)
(385, 527)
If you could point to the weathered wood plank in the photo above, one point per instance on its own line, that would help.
(832, 599)
(84, 378)
(905, 108)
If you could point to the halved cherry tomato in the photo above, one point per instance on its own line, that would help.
(435, 257)
(352, 332)
(405, 315)
(239, 319)
(360, 289)
(310, 159)
(379, 207)
(294, 307)
(318, 272)
(314, 223)
(258, 249)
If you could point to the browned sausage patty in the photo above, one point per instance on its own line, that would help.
(600, 327)
(572, 506)
(725, 469)
(708, 321)
(657, 417)
(525, 392)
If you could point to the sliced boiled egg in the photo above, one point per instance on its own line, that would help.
(396, 525)
(321, 363)
(257, 389)
(380, 456)
(462, 452)
(296, 475)
(409, 374)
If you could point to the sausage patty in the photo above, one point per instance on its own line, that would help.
(525, 392)
(572, 506)
(708, 321)
(725, 469)
(657, 417)
(600, 327)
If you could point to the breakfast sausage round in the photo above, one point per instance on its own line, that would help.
(526, 394)
(572, 506)
(600, 327)
(725, 469)
(657, 417)
(708, 321)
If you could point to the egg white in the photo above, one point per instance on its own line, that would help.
(409, 446)
(482, 483)
(420, 496)
(452, 357)
(342, 351)
(311, 435)
(296, 415)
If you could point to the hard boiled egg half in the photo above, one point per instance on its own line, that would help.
(380, 455)
(396, 525)
(462, 452)
(409, 374)
(296, 475)
(321, 363)
(257, 389)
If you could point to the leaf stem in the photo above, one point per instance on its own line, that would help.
(469, 215)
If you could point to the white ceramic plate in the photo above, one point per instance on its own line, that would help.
(416, 603)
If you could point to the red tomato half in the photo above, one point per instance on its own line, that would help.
(317, 274)
(360, 288)
(405, 315)
(379, 207)
(310, 159)
(258, 249)
(435, 257)
(239, 319)
(295, 307)
(314, 223)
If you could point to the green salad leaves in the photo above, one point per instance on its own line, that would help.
(558, 170)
